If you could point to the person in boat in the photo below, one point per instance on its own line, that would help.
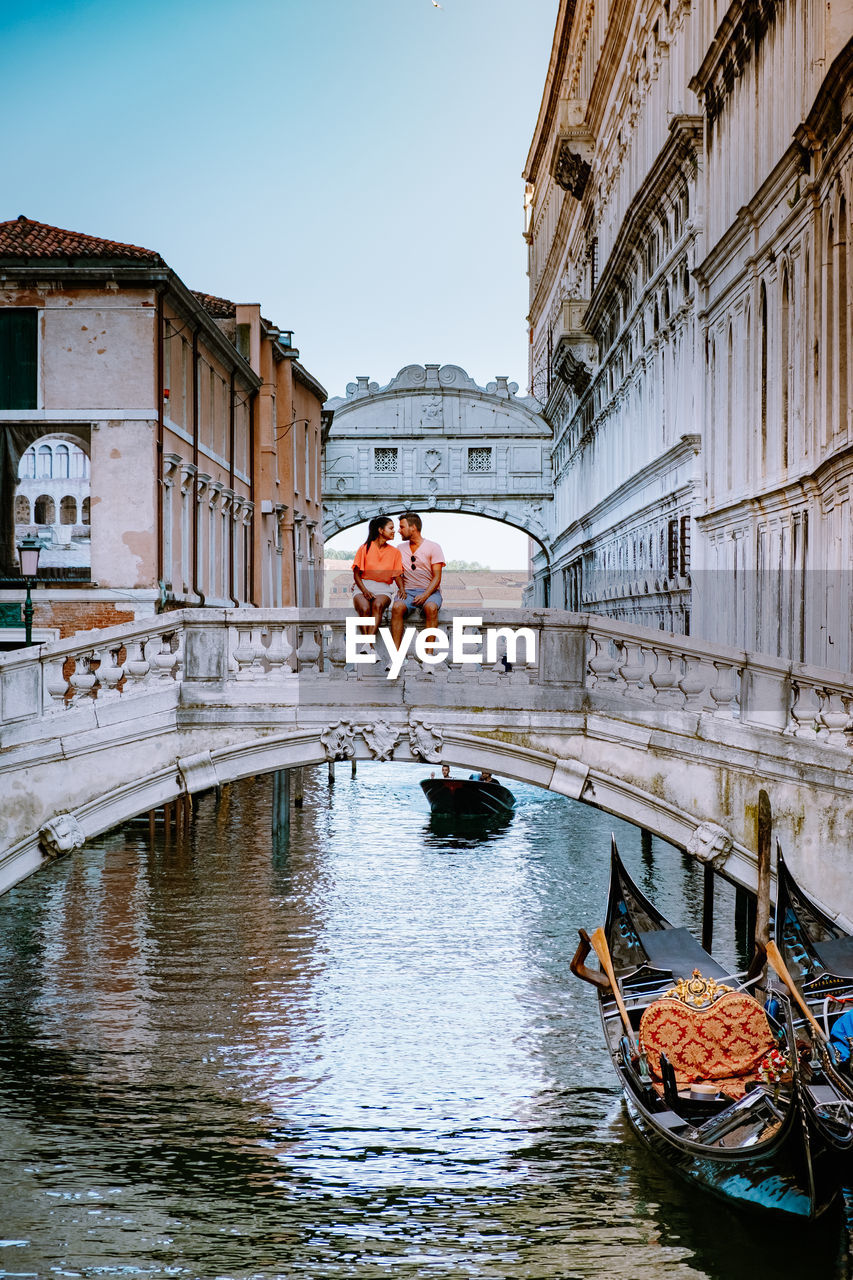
(377, 566)
(423, 562)
(485, 776)
(445, 771)
(840, 1036)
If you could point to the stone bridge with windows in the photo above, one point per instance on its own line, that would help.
(658, 729)
(433, 440)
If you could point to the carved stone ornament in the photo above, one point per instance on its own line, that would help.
(198, 772)
(338, 739)
(381, 738)
(63, 834)
(710, 843)
(432, 458)
(571, 171)
(425, 741)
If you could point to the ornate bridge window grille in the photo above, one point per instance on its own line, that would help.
(479, 459)
(385, 459)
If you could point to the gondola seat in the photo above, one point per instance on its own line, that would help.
(714, 1034)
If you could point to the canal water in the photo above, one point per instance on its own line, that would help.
(360, 1056)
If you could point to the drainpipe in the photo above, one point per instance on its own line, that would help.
(159, 322)
(196, 590)
(232, 431)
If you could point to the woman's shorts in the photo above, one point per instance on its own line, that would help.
(376, 588)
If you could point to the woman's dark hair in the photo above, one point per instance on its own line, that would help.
(377, 523)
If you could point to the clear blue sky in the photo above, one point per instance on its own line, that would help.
(352, 166)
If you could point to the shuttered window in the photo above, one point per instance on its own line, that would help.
(18, 358)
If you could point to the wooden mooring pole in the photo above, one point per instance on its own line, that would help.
(764, 832)
(280, 804)
(708, 907)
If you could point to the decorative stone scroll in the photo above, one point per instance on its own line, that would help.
(198, 772)
(338, 739)
(425, 741)
(63, 834)
(381, 739)
(710, 843)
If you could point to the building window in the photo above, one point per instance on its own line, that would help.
(684, 546)
(45, 461)
(18, 358)
(672, 549)
(479, 460)
(45, 510)
(385, 459)
(68, 511)
(22, 510)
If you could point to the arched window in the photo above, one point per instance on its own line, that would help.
(843, 335)
(68, 510)
(63, 458)
(45, 467)
(27, 467)
(45, 510)
(830, 313)
(762, 325)
(785, 368)
(22, 510)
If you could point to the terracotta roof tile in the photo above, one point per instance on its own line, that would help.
(22, 238)
(219, 308)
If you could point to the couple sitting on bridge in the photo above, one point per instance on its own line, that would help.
(414, 567)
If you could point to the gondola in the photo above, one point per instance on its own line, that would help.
(695, 1056)
(816, 958)
(468, 798)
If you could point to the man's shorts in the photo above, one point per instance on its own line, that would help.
(435, 599)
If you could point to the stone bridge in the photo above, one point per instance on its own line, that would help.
(655, 728)
(433, 440)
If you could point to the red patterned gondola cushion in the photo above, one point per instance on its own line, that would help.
(728, 1038)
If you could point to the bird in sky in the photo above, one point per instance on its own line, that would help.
(436, 5)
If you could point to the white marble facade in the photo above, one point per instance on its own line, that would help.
(688, 219)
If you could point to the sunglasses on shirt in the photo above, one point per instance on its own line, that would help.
(413, 562)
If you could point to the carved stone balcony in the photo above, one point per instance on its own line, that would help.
(575, 350)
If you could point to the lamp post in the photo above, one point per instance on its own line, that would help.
(28, 554)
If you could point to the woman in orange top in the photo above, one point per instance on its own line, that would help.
(376, 565)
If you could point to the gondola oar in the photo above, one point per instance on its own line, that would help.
(782, 970)
(601, 949)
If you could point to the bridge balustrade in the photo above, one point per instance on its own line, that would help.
(580, 660)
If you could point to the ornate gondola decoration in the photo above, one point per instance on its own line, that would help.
(692, 1051)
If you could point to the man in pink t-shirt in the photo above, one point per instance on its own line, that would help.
(423, 562)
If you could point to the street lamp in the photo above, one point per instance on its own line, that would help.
(28, 555)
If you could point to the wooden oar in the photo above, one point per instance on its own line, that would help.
(781, 968)
(601, 949)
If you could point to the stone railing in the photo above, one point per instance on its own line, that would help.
(581, 660)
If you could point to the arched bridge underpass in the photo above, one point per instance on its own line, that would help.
(658, 729)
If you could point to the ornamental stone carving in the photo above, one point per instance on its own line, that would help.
(381, 738)
(710, 843)
(425, 741)
(338, 739)
(63, 834)
(570, 163)
(198, 772)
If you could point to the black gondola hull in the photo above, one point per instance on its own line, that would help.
(467, 798)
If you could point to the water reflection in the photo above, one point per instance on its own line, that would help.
(353, 1056)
